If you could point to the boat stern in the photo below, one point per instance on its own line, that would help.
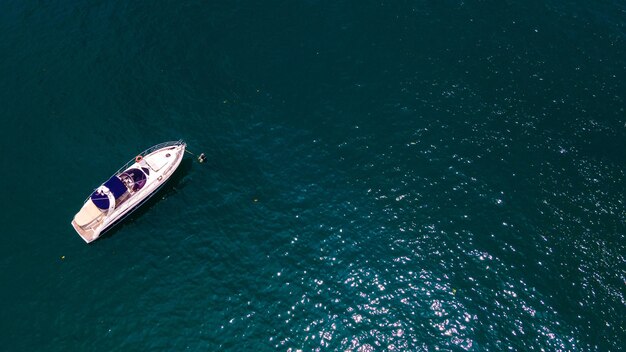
(88, 235)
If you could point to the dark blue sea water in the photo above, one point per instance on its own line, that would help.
(381, 175)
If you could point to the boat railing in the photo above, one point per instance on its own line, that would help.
(148, 151)
(143, 154)
(161, 145)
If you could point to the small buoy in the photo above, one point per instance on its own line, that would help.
(255, 200)
(202, 158)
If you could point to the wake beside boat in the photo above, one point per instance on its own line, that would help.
(130, 187)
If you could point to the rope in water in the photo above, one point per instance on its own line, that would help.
(201, 157)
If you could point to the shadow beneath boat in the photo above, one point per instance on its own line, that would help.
(173, 185)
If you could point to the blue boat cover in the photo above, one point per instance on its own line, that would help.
(100, 199)
(117, 188)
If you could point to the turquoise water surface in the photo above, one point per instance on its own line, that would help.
(381, 175)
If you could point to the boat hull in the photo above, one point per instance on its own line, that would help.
(150, 170)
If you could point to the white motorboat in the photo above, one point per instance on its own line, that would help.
(130, 187)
